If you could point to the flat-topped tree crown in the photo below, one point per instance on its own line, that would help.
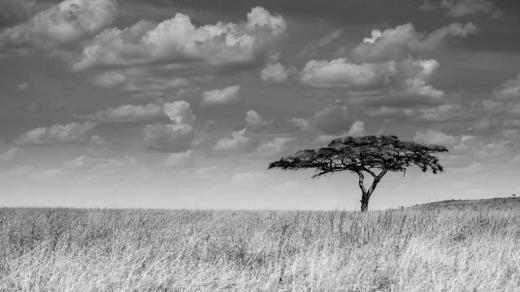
(372, 155)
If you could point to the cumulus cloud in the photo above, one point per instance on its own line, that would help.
(341, 73)
(226, 95)
(404, 40)
(274, 72)
(181, 159)
(405, 77)
(9, 154)
(179, 112)
(357, 129)
(460, 8)
(56, 134)
(417, 75)
(275, 146)
(168, 137)
(238, 141)
(434, 137)
(178, 41)
(127, 113)
(253, 118)
(61, 24)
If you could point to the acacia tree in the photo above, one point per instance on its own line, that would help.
(368, 156)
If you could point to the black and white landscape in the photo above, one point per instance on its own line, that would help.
(190, 145)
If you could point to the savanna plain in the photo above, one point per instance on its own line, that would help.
(442, 247)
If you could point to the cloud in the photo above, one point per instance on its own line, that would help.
(357, 129)
(179, 112)
(168, 137)
(341, 73)
(181, 159)
(434, 137)
(333, 119)
(256, 121)
(226, 95)
(509, 90)
(22, 86)
(61, 24)
(253, 118)
(274, 72)
(275, 146)
(460, 8)
(238, 141)
(404, 40)
(406, 77)
(110, 79)
(178, 41)
(56, 134)
(9, 154)
(128, 113)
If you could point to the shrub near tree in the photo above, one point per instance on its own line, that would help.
(369, 157)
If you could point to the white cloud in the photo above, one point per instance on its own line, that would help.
(179, 112)
(237, 142)
(434, 137)
(168, 137)
(181, 159)
(405, 77)
(56, 134)
(61, 24)
(127, 113)
(404, 40)
(357, 129)
(9, 154)
(418, 73)
(177, 40)
(459, 8)
(274, 72)
(341, 73)
(275, 146)
(226, 95)
(253, 119)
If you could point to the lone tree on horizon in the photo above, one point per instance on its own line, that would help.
(372, 156)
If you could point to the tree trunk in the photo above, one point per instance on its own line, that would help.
(364, 202)
(365, 194)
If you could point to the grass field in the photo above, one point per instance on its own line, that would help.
(415, 249)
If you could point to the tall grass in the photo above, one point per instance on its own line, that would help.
(147, 250)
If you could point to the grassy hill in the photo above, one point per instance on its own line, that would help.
(504, 203)
(414, 249)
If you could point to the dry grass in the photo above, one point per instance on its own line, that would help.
(400, 250)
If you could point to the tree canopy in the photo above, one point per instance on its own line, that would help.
(372, 155)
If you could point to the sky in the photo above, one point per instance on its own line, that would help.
(183, 104)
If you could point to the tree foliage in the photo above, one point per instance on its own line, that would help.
(372, 155)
